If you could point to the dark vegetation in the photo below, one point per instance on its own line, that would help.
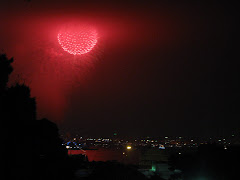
(31, 148)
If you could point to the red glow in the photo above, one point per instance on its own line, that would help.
(78, 41)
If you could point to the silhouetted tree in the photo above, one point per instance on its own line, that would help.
(17, 113)
(31, 147)
(5, 71)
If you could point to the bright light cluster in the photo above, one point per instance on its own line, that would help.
(78, 41)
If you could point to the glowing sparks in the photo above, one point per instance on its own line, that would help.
(78, 41)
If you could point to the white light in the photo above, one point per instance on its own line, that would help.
(129, 147)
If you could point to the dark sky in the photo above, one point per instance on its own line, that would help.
(166, 68)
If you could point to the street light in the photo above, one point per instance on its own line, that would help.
(129, 147)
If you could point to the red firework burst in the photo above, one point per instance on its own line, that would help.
(78, 41)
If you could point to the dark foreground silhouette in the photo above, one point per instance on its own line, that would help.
(31, 148)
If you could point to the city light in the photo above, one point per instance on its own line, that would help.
(129, 147)
(161, 146)
(153, 168)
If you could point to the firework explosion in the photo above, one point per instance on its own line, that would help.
(56, 69)
(78, 41)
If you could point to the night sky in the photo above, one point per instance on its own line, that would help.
(166, 68)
